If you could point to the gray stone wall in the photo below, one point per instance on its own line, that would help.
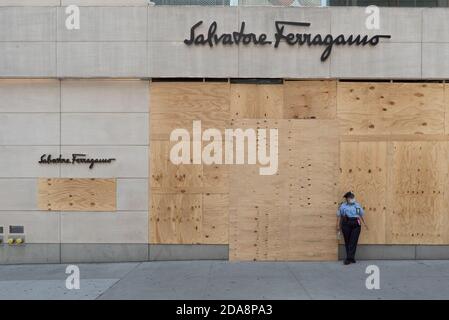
(140, 41)
(102, 118)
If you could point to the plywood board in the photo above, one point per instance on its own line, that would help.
(446, 108)
(216, 178)
(257, 101)
(277, 233)
(313, 163)
(312, 235)
(394, 147)
(363, 170)
(188, 201)
(215, 229)
(244, 236)
(310, 99)
(282, 218)
(176, 218)
(67, 194)
(259, 203)
(390, 108)
(248, 187)
(175, 105)
(167, 177)
(419, 184)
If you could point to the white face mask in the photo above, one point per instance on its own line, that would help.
(351, 200)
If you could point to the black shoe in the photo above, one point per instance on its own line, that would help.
(353, 261)
(346, 262)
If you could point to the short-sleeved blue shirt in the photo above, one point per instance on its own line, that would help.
(350, 210)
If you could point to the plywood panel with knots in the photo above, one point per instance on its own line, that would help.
(363, 170)
(310, 99)
(67, 194)
(419, 202)
(390, 108)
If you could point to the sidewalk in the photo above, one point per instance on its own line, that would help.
(228, 280)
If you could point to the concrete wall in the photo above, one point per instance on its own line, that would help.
(398, 252)
(142, 41)
(102, 118)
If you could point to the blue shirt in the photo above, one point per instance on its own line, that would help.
(350, 210)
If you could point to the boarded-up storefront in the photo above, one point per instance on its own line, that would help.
(384, 141)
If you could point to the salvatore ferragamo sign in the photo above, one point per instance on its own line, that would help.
(76, 158)
(212, 38)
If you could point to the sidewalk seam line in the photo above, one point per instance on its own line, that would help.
(120, 279)
(299, 282)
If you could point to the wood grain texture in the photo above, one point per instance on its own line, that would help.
(189, 202)
(446, 109)
(390, 141)
(310, 99)
(390, 108)
(257, 101)
(313, 163)
(419, 186)
(167, 177)
(402, 187)
(215, 219)
(67, 194)
(313, 172)
(312, 235)
(287, 211)
(363, 168)
(244, 235)
(176, 218)
(247, 186)
(175, 105)
(395, 137)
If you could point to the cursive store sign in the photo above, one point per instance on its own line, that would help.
(212, 38)
(77, 158)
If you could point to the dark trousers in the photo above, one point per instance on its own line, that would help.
(351, 232)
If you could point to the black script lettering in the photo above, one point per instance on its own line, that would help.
(375, 40)
(280, 26)
(317, 40)
(340, 40)
(77, 158)
(213, 38)
(80, 158)
(48, 159)
(300, 39)
(211, 34)
(192, 33)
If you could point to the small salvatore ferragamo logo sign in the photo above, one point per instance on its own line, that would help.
(212, 38)
(76, 158)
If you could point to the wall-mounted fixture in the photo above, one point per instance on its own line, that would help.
(16, 235)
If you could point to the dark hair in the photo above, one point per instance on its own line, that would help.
(349, 194)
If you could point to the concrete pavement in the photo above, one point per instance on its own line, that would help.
(228, 280)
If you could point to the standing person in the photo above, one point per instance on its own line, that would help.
(350, 215)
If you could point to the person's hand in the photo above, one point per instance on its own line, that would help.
(338, 229)
(366, 226)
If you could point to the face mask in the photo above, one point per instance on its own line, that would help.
(351, 200)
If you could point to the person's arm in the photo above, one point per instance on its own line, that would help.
(364, 223)
(361, 214)
(338, 218)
